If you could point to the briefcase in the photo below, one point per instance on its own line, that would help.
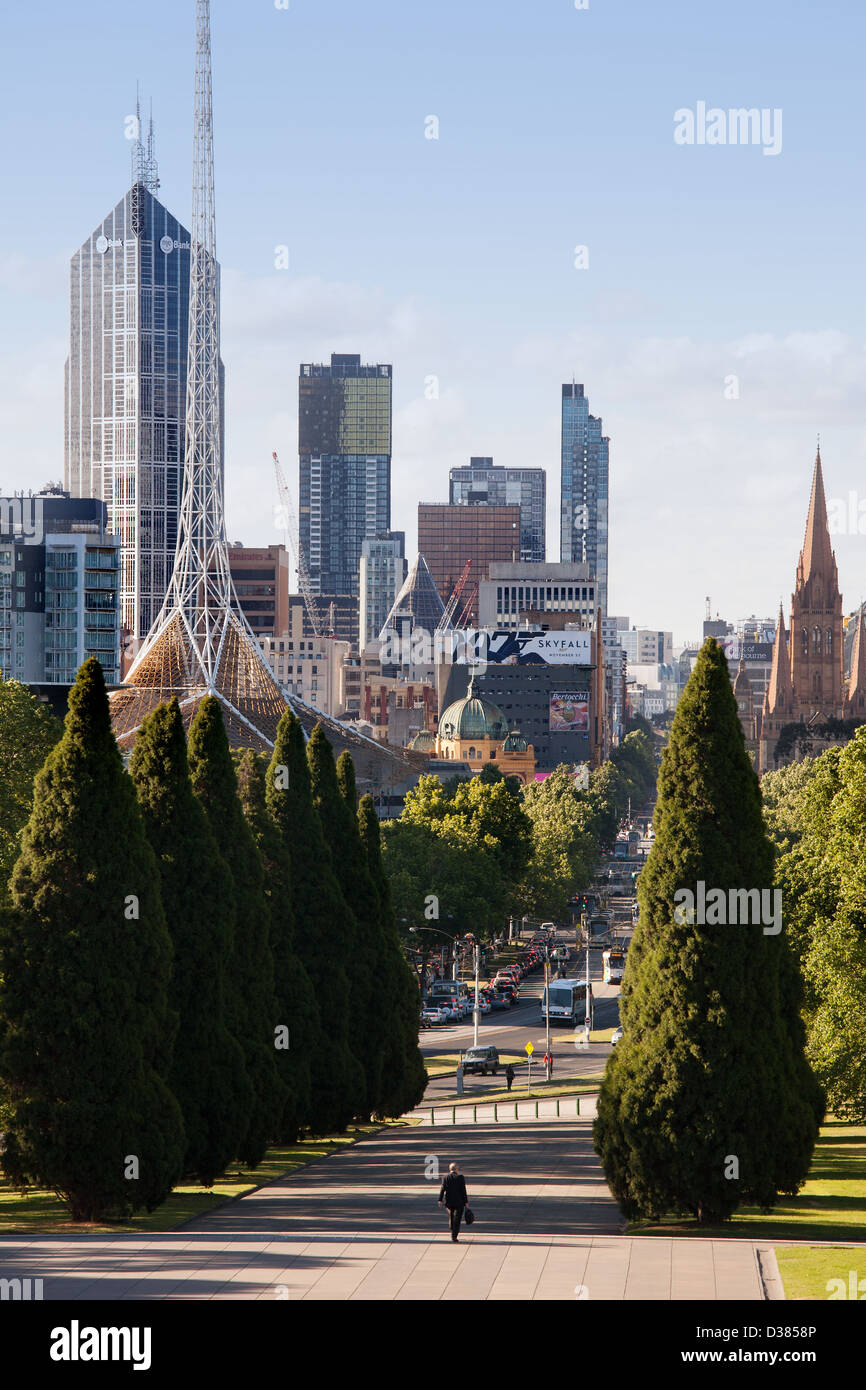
(468, 1216)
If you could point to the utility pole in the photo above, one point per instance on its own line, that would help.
(476, 1011)
(547, 995)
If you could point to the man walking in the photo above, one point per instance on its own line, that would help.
(509, 1075)
(453, 1194)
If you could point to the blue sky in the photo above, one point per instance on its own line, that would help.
(454, 257)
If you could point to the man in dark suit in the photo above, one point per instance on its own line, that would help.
(454, 1195)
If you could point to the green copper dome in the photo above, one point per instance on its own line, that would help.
(473, 718)
(515, 743)
(423, 742)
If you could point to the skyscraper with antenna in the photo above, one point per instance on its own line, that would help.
(126, 381)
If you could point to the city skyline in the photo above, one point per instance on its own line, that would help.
(711, 378)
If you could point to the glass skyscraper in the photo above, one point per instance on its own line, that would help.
(344, 448)
(583, 514)
(486, 483)
(126, 390)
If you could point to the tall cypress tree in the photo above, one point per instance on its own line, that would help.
(208, 1073)
(86, 1030)
(708, 1102)
(250, 998)
(405, 1076)
(295, 998)
(353, 871)
(320, 928)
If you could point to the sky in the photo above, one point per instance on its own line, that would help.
(715, 318)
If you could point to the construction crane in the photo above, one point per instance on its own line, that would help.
(447, 619)
(291, 530)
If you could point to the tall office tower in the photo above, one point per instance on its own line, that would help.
(126, 384)
(449, 536)
(380, 579)
(485, 483)
(584, 488)
(344, 448)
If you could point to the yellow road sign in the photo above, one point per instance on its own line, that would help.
(529, 1049)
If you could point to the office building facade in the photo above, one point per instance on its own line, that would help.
(126, 390)
(484, 483)
(515, 594)
(344, 447)
(261, 579)
(584, 488)
(381, 574)
(448, 536)
(59, 572)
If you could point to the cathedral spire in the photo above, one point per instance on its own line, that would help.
(780, 689)
(817, 556)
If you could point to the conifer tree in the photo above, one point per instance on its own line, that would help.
(708, 1102)
(86, 1031)
(320, 914)
(250, 997)
(353, 871)
(296, 1006)
(405, 1077)
(208, 1073)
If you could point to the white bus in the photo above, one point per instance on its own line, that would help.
(567, 1002)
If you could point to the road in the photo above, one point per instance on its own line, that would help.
(509, 1030)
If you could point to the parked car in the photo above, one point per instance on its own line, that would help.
(617, 1036)
(484, 1060)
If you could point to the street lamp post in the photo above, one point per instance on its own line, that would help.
(476, 1011)
(547, 996)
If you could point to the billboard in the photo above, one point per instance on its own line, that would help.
(757, 651)
(539, 648)
(569, 711)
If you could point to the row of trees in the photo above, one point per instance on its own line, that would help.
(708, 1102)
(484, 849)
(815, 813)
(193, 958)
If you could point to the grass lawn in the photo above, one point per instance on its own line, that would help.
(40, 1212)
(806, 1271)
(831, 1205)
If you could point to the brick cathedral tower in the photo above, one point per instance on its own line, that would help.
(807, 681)
(816, 617)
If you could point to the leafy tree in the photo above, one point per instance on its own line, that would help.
(338, 1081)
(404, 1074)
(829, 868)
(564, 849)
(711, 1066)
(296, 1006)
(251, 1007)
(208, 1073)
(28, 732)
(86, 1031)
(433, 880)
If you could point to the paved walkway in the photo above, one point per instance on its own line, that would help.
(365, 1224)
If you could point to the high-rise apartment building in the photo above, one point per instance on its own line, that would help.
(584, 488)
(449, 536)
(344, 447)
(484, 483)
(382, 572)
(58, 588)
(126, 388)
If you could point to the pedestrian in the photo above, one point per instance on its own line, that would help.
(455, 1197)
(549, 1065)
(509, 1075)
